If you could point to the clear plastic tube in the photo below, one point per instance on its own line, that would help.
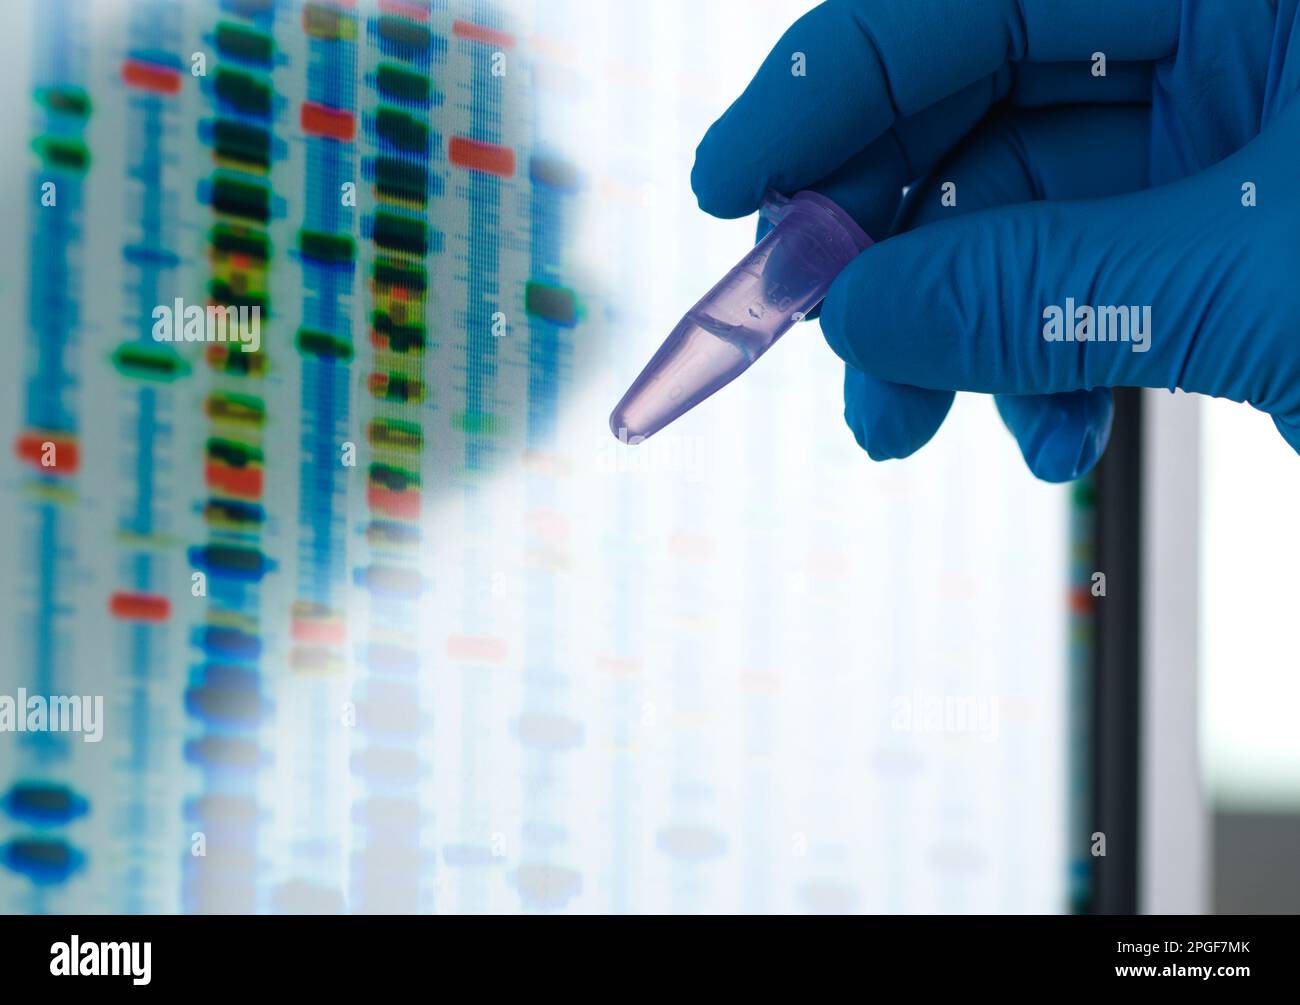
(783, 277)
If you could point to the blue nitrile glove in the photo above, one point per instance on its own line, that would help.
(1137, 188)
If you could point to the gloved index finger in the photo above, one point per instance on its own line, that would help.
(847, 70)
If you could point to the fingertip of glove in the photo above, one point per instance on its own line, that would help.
(1064, 457)
(713, 180)
(889, 421)
(1061, 436)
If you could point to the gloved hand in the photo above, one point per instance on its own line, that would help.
(1172, 182)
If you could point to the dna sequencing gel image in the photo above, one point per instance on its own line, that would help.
(310, 508)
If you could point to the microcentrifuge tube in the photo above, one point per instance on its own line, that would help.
(782, 278)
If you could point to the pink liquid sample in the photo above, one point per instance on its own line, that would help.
(782, 278)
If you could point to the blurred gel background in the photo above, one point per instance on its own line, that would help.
(381, 617)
